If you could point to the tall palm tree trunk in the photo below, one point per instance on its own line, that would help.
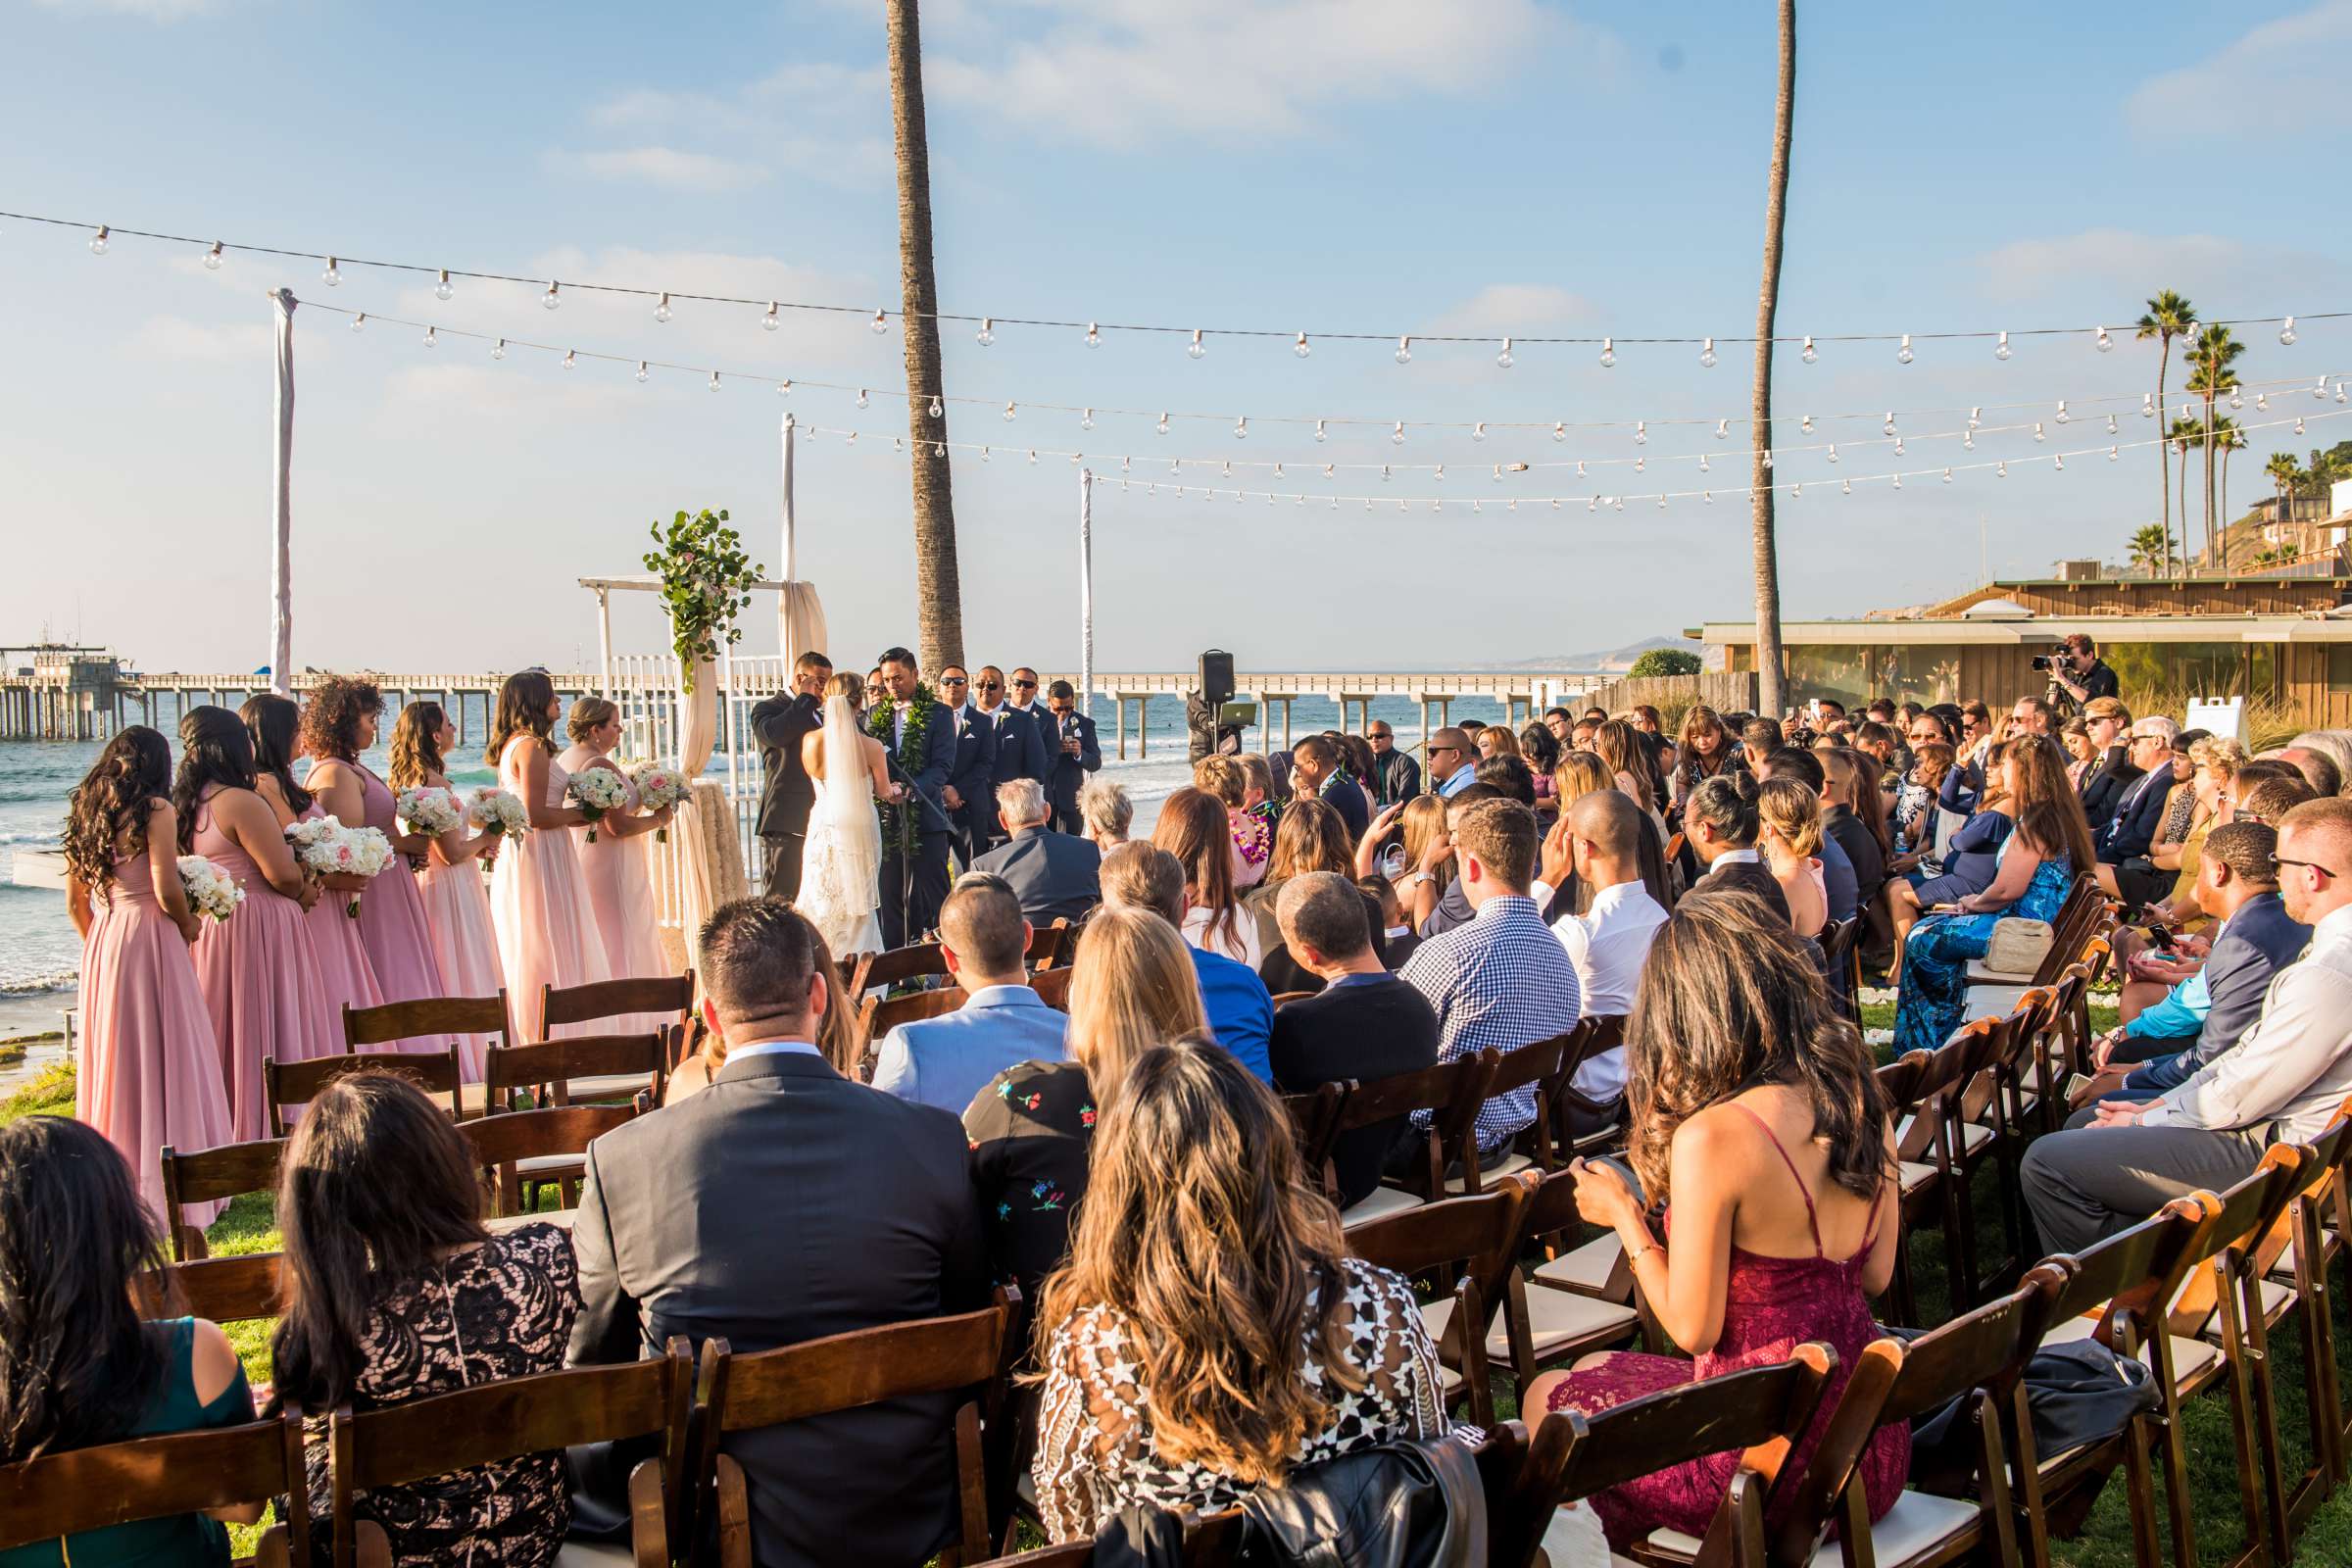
(2164, 460)
(938, 586)
(2213, 522)
(1772, 679)
(2184, 517)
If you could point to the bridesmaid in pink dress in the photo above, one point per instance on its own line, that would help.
(616, 864)
(539, 903)
(150, 1069)
(336, 950)
(260, 983)
(456, 907)
(338, 723)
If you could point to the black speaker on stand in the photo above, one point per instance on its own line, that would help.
(1203, 706)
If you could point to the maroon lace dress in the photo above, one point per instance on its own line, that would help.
(1772, 1305)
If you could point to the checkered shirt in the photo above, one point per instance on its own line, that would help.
(1503, 980)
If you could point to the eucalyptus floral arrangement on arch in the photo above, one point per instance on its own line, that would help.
(705, 578)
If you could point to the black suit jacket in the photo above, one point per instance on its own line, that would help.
(2137, 817)
(1746, 876)
(1854, 837)
(778, 725)
(2104, 786)
(757, 1211)
(1343, 795)
(1054, 875)
(1064, 772)
(1373, 1029)
(1020, 749)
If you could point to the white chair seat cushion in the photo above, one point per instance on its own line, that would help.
(2191, 1357)
(1915, 1176)
(547, 1164)
(1994, 999)
(608, 1086)
(584, 1553)
(1511, 1165)
(1556, 1318)
(1912, 1528)
(1378, 1203)
(1971, 1135)
(1980, 973)
(1588, 1267)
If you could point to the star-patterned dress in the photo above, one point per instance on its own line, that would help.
(1096, 1454)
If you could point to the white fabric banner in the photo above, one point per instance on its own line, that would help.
(281, 518)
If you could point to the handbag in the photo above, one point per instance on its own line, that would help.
(2017, 944)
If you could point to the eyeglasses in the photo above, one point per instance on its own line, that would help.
(1024, 685)
(2277, 860)
(1382, 735)
(1435, 750)
(952, 681)
(990, 686)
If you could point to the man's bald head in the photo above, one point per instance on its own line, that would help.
(1450, 751)
(1610, 822)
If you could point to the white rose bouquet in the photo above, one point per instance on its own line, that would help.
(430, 812)
(499, 813)
(323, 846)
(596, 791)
(211, 892)
(658, 786)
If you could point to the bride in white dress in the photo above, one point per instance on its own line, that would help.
(842, 864)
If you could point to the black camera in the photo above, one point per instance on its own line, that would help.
(2053, 661)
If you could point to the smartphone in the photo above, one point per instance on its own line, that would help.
(2160, 936)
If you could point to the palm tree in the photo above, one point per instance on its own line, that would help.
(2183, 434)
(938, 594)
(2229, 437)
(1771, 673)
(2210, 376)
(2168, 316)
(2150, 547)
(2284, 474)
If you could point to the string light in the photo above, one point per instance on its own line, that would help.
(1805, 424)
(1010, 413)
(1404, 351)
(879, 324)
(98, 241)
(1320, 436)
(2286, 333)
(1396, 436)
(211, 258)
(1641, 432)
(1833, 451)
(771, 321)
(2000, 350)
(2062, 416)
(359, 322)
(1706, 352)
(1301, 347)
(1808, 353)
(571, 361)
(987, 333)
(714, 387)
(1503, 360)
(1902, 355)
(1094, 335)
(1196, 348)
(554, 296)
(2105, 343)
(1478, 431)
(936, 410)
(2147, 406)
(1164, 424)
(333, 275)
(498, 350)
(444, 289)
(1240, 429)
(641, 372)
(1887, 427)
(429, 341)
(862, 397)
(1086, 422)
(1609, 353)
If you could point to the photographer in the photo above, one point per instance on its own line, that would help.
(2076, 669)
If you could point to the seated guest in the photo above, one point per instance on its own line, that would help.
(1030, 1127)
(1398, 940)
(2038, 865)
(945, 1061)
(394, 1291)
(1055, 875)
(1789, 819)
(1744, 1084)
(1105, 811)
(1503, 980)
(749, 1210)
(1309, 837)
(1845, 809)
(2319, 769)
(2117, 1162)
(2207, 1012)
(1253, 837)
(1721, 821)
(80, 1369)
(1706, 749)
(1194, 828)
(1162, 1393)
(2269, 797)
(2111, 765)
(1916, 816)
(1634, 761)
(840, 1039)
(1840, 889)
(1317, 774)
(1240, 1008)
(2123, 842)
(1971, 859)
(1494, 740)
(1609, 943)
(1364, 1024)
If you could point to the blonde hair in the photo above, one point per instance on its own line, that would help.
(1579, 773)
(1132, 986)
(2219, 752)
(1424, 819)
(588, 715)
(847, 684)
(1505, 743)
(1222, 777)
(1259, 772)
(1790, 808)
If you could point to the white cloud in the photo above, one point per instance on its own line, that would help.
(423, 393)
(2282, 76)
(176, 338)
(1513, 308)
(151, 9)
(1122, 71)
(2208, 267)
(665, 165)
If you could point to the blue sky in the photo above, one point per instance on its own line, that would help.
(1499, 165)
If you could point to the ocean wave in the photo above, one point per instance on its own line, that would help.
(35, 984)
(31, 838)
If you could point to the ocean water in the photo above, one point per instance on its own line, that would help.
(41, 956)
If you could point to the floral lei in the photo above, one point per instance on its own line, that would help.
(898, 823)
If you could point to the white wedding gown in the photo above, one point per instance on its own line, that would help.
(841, 867)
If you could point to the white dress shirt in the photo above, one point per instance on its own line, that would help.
(2293, 1067)
(1608, 946)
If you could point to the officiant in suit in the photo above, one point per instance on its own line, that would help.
(1019, 740)
(972, 777)
(920, 736)
(1071, 752)
(786, 793)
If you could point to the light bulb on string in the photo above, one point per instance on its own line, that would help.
(2037, 435)
(2262, 403)
(1301, 347)
(1707, 496)
(2299, 425)
(1499, 473)
(2339, 392)
(211, 258)
(1723, 428)
(2287, 334)
(2000, 349)
(1580, 468)
(1404, 351)
(1010, 413)
(1384, 473)
(1503, 360)
(771, 321)
(1641, 432)
(1592, 503)
(1808, 353)
(1976, 417)
(571, 359)
(714, 387)
(430, 341)
(1616, 503)
(2115, 453)
(1396, 436)
(1766, 456)
(359, 321)
(2058, 463)
(984, 459)
(1968, 440)
(1833, 451)
(861, 398)
(2104, 341)
(1320, 433)
(1033, 456)
(2062, 416)
(2111, 425)
(1240, 429)
(1703, 463)
(2319, 388)
(2147, 405)
(1707, 358)
(1898, 446)
(1439, 476)
(1898, 481)
(443, 288)
(1609, 353)
(2000, 469)
(1641, 465)
(1888, 427)
(1947, 477)
(1086, 420)
(332, 277)
(1846, 488)
(554, 297)
(1560, 429)
(1196, 348)
(2237, 397)
(1094, 335)
(1162, 426)
(1805, 424)
(784, 387)
(1795, 490)
(936, 409)
(498, 350)
(1902, 354)
(1327, 470)
(880, 322)
(1478, 431)
(642, 372)
(987, 333)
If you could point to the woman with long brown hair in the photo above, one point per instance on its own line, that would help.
(539, 907)
(150, 1069)
(1132, 986)
(1704, 748)
(1745, 1082)
(395, 1290)
(1193, 827)
(1629, 757)
(1209, 1331)
(2049, 847)
(1309, 836)
(456, 907)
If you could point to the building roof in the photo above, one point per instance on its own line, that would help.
(2038, 629)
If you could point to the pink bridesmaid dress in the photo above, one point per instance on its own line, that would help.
(261, 986)
(622, 896)
(393, 931)
(344, 972)
(457, 911)
(150, 1069)
(539, 906)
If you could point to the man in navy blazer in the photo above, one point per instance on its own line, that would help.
(914, 884)
(2139, 809)
(972, 777)
(1070, 754)
(1055, 876)
(945, 1061)
(2104, 783)
(1020, 745)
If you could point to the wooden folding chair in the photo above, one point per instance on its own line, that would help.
(882, 970)
(1761, 1411)
(1315, 1124)
(1522, 1068)
(2318, 1217)
(297, 1083)
(363, 1027)
(60, 1495)
(671, 994)
(210, 1175)
(1996, 1099)
(577, 1069)
(970, 1353)
(1451, 1092)
(1052, 988)
(1559, 1103)
(1480, 1233)
(1546, 1321)
(1841, 964)
(243, 1288)
(1929, 1172)
(1049, 945)
(538, 1145)
(418, 1439)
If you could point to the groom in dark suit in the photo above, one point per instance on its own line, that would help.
(915, 886)
(779, 724)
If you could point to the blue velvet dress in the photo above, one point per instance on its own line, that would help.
(1934, 997)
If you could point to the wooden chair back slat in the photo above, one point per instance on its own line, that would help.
(671, 993)
(210, 1175)
(240, 1288)
(297, 1083)
(2249, 1213)
(1528, 1064)
(1052, 988)
(556, 1062)
(1283, 999)
(2127, 1277)
(518, 1134)
(426, 1016)
(899, 963)
(1481, 1233)
(157, 1478)
(1049, 945)
(1315, 1122)
(884, 1016)
(1451, 1091)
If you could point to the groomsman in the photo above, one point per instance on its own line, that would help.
(1070, 743)
(971, 778)
(1020, 744)
(787, 793)
(912, 893)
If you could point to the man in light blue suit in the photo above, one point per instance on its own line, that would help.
(945, 1061)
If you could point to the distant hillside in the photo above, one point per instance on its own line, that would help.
(1607, 659)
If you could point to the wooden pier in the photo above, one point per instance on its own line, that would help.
(1523, 694)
